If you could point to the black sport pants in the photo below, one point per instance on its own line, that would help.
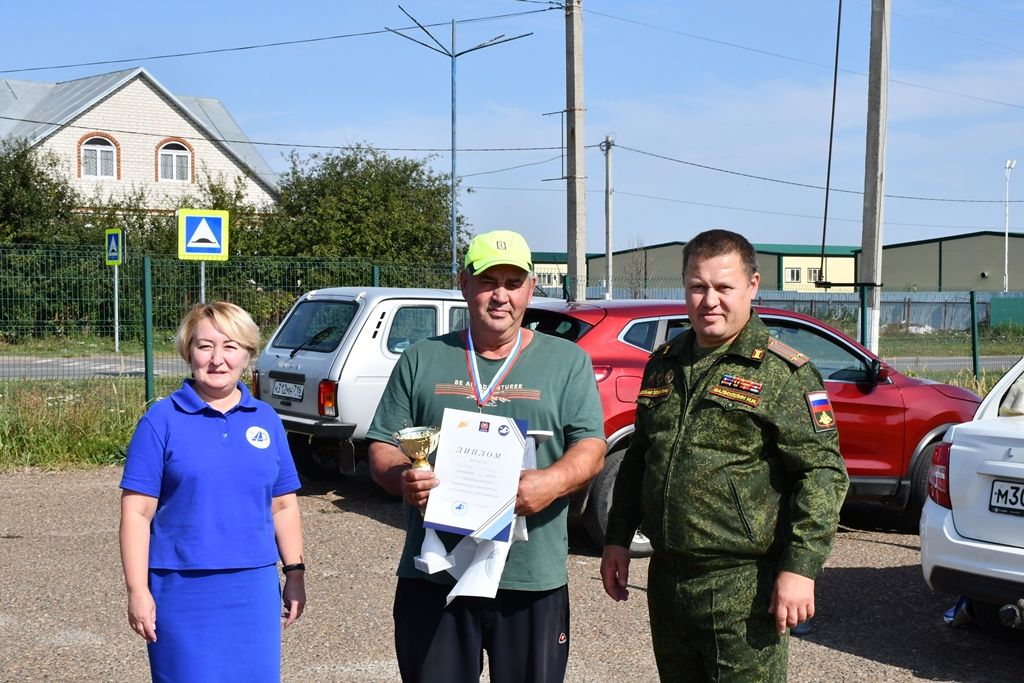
(525, 634)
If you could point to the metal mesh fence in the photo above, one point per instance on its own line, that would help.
(57, 309)
(61, 375)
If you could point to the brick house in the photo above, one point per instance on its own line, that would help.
(123, 131)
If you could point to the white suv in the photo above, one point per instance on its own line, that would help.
(972, 525)
(325, 367)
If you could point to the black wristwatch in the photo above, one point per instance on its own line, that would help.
(298, 566)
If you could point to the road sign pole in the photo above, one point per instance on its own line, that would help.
(203, 236)
(117, 326)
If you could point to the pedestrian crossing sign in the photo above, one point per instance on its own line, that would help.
(113, 238)
(202, 235)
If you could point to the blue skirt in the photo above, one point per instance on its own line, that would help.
(216, 625)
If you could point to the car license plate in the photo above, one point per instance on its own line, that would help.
(287, 390)
(1007, 497)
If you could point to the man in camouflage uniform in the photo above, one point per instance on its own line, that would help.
(734, 474)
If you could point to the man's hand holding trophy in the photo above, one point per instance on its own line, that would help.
(418, 443)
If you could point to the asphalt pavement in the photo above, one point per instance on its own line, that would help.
(62, 605)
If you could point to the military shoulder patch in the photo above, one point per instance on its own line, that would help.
(822, 416)
(787, 353)
(654, 392)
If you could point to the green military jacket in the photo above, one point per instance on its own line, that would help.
(735, 458)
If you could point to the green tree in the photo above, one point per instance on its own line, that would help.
(246, 218)
(362, 203)
(152, 228)
(37, 201)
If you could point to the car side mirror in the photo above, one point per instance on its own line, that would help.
(878, 373)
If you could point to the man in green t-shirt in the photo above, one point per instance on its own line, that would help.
(498, 368)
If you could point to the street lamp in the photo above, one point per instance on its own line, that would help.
(1010, 163)
(452, 54)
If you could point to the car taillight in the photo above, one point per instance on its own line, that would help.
(255, 383)
(602, 372)
(327, 398)
(938, 476)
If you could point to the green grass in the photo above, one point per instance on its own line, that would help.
(58, 424)
(961, 378)
(947, 344)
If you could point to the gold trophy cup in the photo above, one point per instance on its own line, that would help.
(418, 443)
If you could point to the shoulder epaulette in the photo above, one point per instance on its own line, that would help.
(661, 350)
(669, 347)
(787, 353)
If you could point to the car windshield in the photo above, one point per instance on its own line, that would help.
(556, 324)
(316, 325)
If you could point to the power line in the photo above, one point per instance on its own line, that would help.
(790, 58)
(258, 46)
(549, 6)
(794, 215)
(793, 183)
(732, 208)
(286, 144)
(511, 168)
(439, 150)
(987, 14)
(959, 33)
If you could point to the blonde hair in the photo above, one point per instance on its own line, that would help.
(232, 321)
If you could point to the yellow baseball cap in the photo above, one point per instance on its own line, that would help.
(498, 247)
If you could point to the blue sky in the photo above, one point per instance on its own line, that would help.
(737, 85)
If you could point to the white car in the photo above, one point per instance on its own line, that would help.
(972, 525)
(325, 367)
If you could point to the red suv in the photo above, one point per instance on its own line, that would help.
(888, 422)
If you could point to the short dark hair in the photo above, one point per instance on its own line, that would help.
(718, 242)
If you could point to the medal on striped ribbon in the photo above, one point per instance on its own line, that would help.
(482, 396)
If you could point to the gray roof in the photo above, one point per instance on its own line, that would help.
(35, 111)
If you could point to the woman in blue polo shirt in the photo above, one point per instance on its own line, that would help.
(208, 506)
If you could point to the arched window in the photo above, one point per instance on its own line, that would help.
(99, 158)
(175, 162)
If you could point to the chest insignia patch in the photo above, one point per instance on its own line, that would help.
(822, 416)
(757, 354)
(736, 395)
(737, 382)
(654, 392)
(258, 437)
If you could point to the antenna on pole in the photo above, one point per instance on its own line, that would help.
(452, 54)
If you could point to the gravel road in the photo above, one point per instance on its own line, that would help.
(62, 613)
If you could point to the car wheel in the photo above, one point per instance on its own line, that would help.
(987, 616)
(911, 516)
(595, 517)
(314, 459)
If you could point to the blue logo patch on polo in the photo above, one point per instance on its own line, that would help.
(258, 437)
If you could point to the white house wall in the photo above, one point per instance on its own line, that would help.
(138, 118)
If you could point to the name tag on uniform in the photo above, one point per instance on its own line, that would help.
(736, 395)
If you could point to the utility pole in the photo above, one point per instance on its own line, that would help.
(1010, 163)
(606, 147)
(576, 196)
(874, 168)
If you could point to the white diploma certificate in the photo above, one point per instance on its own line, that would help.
(478, 461)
